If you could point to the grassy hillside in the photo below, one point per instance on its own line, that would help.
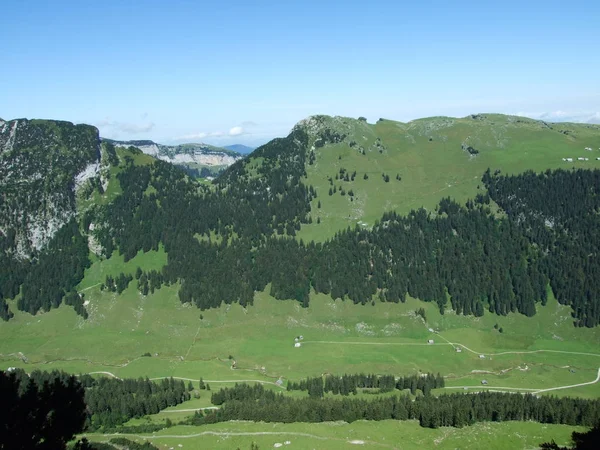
(387, 434)
(338, 338)
(425, 161)
(433, 162)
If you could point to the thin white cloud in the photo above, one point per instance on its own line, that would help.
(564, 116)
(236, 131)
(125, 127)
(200, 135)
(133, 128)
(192, 136)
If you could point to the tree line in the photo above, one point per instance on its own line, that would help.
(348, 384)
(481, 262)
(462, 257)
(558, 212)
(39, 412)
(112, 402)
(255, 403)
(103, 403)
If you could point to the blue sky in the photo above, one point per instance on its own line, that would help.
(247, 71)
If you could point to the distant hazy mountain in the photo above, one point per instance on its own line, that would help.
(240, 148)
(184, 154)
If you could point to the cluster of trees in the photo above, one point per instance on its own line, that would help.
(107, 402)
(12, 273)
(47, 279)
(5, 312)
(421, 312)
(203, 172)
(37, 185)
(587, 440)
(76, 300)
(347, 384)
(243, 232)
(256, 403)
(57, 270)
(240, 392)
(557, 211)
(9, 280)
(112, 401)
(466, 253)
(39, 412)
(45, 410)
(148, 282)
(116, 284)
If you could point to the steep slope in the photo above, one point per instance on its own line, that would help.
(42, 162)
(368, 170)
(468, 257)
(404, 166)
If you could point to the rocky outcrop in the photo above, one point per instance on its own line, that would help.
(202, 154)
(41, 164)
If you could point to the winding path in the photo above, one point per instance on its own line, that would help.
(218, 381)
(251, 433)
(455, 344)
(532, 390)
(188, 410)
(571, 386)
(110, 374)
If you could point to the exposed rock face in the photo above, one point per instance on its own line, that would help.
(41, 164)
(202, 154)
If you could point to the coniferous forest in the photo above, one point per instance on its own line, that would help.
(44, 410)
(465, 257)
(255, 403)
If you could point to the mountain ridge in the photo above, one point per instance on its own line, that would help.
(354, 186)
(42, 164)
(240, 148)
(183, 154)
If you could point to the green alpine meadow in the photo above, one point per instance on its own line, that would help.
(422, 284)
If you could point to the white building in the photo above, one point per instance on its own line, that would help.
(430, 341)
(297, 344)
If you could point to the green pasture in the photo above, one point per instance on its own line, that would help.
(386, 434)
(338, 337)
(428, 156)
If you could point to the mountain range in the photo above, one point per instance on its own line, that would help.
(239, 148)
(191, 156)
(331, 181)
